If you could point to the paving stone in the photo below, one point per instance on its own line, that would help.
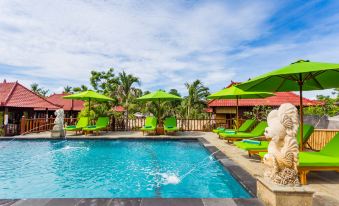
(31, 202)
(63, 202)
(246, 202)
(171, 202)
(94, 202)
(218, 202)
(125, 202)
(7, 202)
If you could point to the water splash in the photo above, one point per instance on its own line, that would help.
(197, 166)
(171, 178)
(168, 178)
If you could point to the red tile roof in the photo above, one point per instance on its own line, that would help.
(13, 94)
(280, 98)
(66, 104)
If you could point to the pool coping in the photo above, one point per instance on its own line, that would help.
(242, 176)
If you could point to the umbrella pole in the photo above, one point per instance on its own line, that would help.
(89, 111)
(237, 120)
(301, 127)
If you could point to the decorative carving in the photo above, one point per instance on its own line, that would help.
(58, 128)
(282, 156)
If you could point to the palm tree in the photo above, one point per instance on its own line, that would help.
(125, 89)
(196, 98)
(39, 90)
(82, 88)
(67, 90)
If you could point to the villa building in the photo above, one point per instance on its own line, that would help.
(70, 107)
(16, 101)
(226, 108)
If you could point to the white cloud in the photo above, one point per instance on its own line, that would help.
(165, 43)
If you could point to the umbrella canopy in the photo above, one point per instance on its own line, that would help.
(298, 76)
(235, 93)
(159, 96)
(88, 96)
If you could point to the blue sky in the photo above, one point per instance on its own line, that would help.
(165, 43)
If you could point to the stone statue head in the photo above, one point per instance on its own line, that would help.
(282, 122)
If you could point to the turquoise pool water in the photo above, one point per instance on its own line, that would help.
(113, 169)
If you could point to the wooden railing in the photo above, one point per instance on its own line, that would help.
(317, 141)
(320, 138)
(120, 124)
(40, 124)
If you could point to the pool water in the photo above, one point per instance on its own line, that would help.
(112, 169)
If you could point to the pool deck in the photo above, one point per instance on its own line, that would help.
(325, 184)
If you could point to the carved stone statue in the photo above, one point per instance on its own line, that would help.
(282, 156)
(58, 128)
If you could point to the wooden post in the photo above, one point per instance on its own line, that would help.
(301, 128)
(22, 124)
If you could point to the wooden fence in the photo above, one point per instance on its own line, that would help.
(40, 124)
(120, 124)
(317, 141)
(320, 138)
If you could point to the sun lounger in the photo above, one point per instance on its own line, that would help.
(248, 124)
(170, 125)
(258, 131)
(150, 125)
(327, 159)
(101, 124)
(261, 146)
(82, 123)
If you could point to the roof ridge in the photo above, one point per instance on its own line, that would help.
(37, 95)
(11, 92)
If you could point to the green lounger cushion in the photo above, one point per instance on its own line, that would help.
(219, 129)
(102, 123)
(256, 132)
(308, 130)
(246, 146)
(262, 154)
(150, 124)
(247, 125)
(170, 124)
(332, 148)
(243, 128)
(83, 122)
(315, 159)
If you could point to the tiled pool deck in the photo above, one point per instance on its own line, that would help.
(326, 184)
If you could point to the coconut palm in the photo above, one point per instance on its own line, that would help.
(82, 88)
(125, 90)
(67, 89)
(39, 90)
(196, 99)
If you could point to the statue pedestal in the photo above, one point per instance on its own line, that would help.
(58, 133)
(275, 195)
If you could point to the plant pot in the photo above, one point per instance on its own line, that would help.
(160, 131)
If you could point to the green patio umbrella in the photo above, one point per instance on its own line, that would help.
(302, 75)
(235, 93)
(159, 96)
(88, 96)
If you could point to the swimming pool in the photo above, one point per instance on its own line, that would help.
(113, 169)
